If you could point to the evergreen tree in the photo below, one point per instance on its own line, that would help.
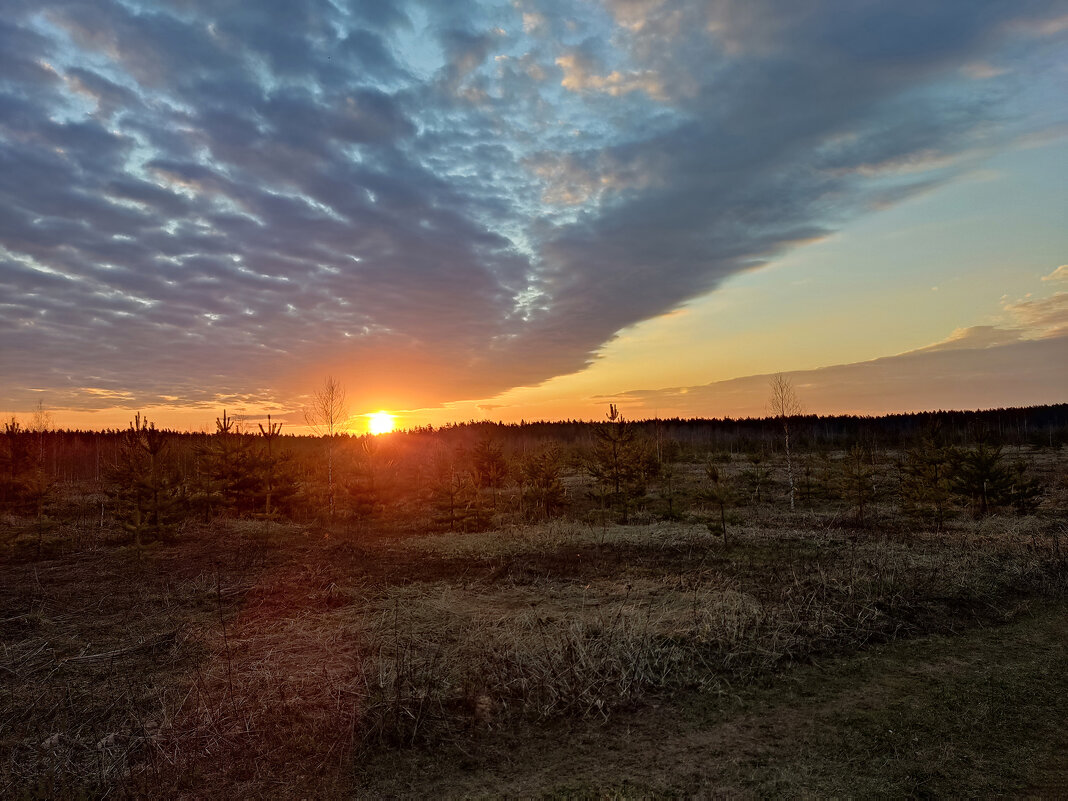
(489, 467)
(981, 477)
(147, 498)
(232, 474)
(364, 491)
(757, 477)
(858, 481)
(455, 500)
(541, 485)
(668, 485)
(276, 484)
(808, 484)
(926, 484)
(23, 482)
(719, 491)
(620, 462)
(667, 470)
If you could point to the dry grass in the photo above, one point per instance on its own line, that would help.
(579, 648)
(235, 663)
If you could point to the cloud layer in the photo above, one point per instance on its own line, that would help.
(981, 368)
(439, 201)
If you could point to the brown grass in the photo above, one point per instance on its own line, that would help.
(232, 662)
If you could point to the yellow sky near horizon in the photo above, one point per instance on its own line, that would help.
(930, 272)
(569, 216)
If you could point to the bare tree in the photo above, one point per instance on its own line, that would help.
(40, 424)
(42, 418)
(325, 416)
(784, 406)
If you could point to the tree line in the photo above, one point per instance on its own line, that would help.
(152, 482)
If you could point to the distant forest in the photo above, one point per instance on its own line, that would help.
(77, 455)
(925, 468)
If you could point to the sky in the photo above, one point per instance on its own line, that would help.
(530, 209)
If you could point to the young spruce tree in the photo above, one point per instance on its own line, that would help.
(147, 497)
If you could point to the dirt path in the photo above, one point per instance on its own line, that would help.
(973, 714)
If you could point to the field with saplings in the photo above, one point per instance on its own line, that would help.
(782, 606)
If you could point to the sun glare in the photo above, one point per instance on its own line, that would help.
(380, 422)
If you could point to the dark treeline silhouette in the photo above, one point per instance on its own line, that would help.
(1034, 425)
(151, 482)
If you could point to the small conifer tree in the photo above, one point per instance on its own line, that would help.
(366, 489)
(489, 467)
(146, 496)
(23, 482)
(926, 481)
(719, 491)
(541, 484)
(620, 462)
(857, 481)
(981, 477)
(269, 466)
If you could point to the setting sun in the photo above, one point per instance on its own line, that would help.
(380, 422)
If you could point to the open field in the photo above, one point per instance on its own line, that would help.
(587, 399)
(257, 658)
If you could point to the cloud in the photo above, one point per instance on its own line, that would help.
(1047, 316)
(1030, 319)
(579, 76)
(985, 376)
(202, 199)
(981, 71)
(975, 337)
(533, 22)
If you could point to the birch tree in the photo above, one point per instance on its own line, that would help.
(325, 416)
(785, 406)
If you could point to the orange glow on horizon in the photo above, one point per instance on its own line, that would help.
(380, 423)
